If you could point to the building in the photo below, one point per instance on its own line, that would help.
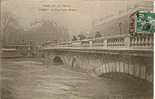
(119, 24)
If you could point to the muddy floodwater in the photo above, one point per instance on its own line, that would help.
(31, 79)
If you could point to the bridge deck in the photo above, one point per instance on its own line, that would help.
(100, 48)
(121, 51)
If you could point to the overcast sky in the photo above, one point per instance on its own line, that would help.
(27, 11)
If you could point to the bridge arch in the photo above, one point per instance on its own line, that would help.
(57, 60)
(133, 65)
(136, 71)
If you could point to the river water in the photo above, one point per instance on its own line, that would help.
(30, 79)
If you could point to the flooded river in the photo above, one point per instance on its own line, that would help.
(30, 79)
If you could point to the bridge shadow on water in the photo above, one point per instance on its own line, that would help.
(121, 76)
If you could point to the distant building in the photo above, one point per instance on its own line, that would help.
(119, 24)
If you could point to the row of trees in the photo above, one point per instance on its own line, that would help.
(44, 30)
(82, 36)
(40, 31)
(9, 28)
(47, 30)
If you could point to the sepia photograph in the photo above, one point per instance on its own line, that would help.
(77, 49)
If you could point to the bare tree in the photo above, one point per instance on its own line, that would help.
(98, 34)
(74, 38)
(8, 24)
(82, 36)
(48, 30)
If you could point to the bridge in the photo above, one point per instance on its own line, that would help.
(125, 54)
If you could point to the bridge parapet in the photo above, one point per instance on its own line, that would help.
(145, 41)
(126, 42)
(138, 41)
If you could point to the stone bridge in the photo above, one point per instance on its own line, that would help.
(118, 54)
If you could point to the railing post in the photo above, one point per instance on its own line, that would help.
(105, 43)
(127, 41)
(90, 43)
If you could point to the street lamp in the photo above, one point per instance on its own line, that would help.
(120, 28)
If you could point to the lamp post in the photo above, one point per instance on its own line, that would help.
(120, 28)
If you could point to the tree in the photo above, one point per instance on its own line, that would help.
(47, 30)
(74, 38)
(81, 36)
(7, 26)
(97, 35)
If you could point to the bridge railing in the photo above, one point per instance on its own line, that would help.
(138, 41)
(117, 41)
(144, 41)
